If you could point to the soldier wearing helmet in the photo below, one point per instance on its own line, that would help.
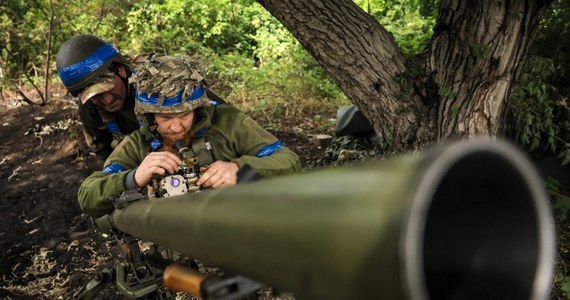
(173, 106)
(97, 73)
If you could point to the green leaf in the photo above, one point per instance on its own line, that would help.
(565, 287)
(562, 206)
(454, 110)
(446, 92)
(565, 156)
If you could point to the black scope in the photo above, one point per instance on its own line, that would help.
(185, 152)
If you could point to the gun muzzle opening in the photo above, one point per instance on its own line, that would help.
(480, 228)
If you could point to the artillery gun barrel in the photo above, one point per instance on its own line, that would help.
(470, 220)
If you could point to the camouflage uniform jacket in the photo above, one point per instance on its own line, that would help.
(233, 135)
(103, 129)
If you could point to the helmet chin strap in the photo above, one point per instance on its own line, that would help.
(127, 86)
(152, 126)
(115, 67)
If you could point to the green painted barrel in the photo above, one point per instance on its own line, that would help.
(469, 220)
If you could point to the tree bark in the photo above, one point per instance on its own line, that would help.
(477, 51)
(458, 87)
(48, 55)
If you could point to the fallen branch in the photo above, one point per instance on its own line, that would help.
(41, 139)
(557, 194)
(14, 173)
(25, 98)
(32, 220)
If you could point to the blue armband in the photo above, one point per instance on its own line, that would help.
(113, 127)
(114, 168)
(269, 149)
(155, 144)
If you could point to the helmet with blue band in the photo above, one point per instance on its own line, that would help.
(167, 84)
(83, 58)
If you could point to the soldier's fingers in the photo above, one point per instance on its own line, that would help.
(217, 182)
(143, 175)
(168, 165)
(228, 178)
(174, 157)
(207, 177)
(168, 162)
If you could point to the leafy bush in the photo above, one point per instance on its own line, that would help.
(277, 80)
(539, 116)
(560, 201)
(182, 26)
(410, 21)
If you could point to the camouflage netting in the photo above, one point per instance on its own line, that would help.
(167, 76)
(348, 151)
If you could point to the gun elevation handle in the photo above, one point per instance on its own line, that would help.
(179, 278)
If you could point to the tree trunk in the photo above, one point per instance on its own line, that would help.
(458, 87)
(48, 55)
(361, 56)
(477, 50)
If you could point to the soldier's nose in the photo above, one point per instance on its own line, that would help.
(107, 99)
(176, 127)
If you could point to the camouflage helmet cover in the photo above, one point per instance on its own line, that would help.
(83, 58)
(167, 84)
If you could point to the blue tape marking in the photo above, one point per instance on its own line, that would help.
(155, 144)
(177, 100)
(76, 72)
(201, 131)
(113, 127)
(269, 149)
(114, 168)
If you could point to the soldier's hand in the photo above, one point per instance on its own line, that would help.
(156, 164)
(219, 173)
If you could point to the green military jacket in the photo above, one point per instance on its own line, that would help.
(233, 135)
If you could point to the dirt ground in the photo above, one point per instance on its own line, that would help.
(49, 249)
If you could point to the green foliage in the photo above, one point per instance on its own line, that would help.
(561, 207)
(410, 21)
(279, 89)
(565, 287)
(553, 41)
(446, 92)
(539, 115)
(276, 79)
(25, 27)
(560, 202)
(480, 52)
(539, 112)
(179, 26)
(22, 40)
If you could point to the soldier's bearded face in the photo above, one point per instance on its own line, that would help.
(174, 126)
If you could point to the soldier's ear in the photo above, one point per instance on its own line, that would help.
(122, 72)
